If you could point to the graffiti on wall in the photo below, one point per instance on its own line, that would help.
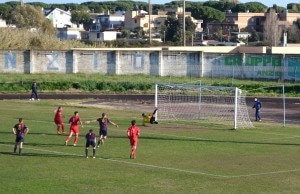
(138, 61)
(293, 67)
(10, 60)
(154, 63)
(52, 65)
(259, 61)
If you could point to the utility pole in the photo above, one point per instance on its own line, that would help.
(184, 40)
(150, 11)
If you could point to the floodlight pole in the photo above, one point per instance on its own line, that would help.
(149, 4)
(184, 39)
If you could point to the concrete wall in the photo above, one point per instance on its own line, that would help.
(238, 62)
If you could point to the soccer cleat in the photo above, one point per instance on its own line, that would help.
(87, 157)
(74, 144)
(66, 143)
(58, 133)
(94, 157)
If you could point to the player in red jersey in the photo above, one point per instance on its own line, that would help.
(59, 121)
(74, 129)
(20, 130)
(133, 133)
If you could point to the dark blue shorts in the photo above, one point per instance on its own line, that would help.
(90, 143)
(103, 132)
(19, 138)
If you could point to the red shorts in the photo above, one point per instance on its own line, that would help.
(74, 129)
(133, 141)
(58, 121)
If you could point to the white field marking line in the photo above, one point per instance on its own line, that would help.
(167, 168)
(124, 162)
(267, 133)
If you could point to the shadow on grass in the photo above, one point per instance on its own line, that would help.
(208, 140)
(26, 154)
(219, 141)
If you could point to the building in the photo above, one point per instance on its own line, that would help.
(68, 33)
(61, 20)
(248, 22)
(108, 21)
(140, 19)
(99, 36)
(236, 22)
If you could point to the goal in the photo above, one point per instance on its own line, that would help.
(214, 104)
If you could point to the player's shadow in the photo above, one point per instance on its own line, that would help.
(6, 132)
(46, 155)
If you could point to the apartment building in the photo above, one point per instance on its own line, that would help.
(248, 22)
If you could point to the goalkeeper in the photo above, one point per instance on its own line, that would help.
(150, 118)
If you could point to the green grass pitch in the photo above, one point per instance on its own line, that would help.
(172, 157)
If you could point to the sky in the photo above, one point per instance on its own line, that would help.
(268, 3)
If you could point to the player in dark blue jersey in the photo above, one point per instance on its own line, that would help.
(103, 123)
(257, 106)
(90, 141)
(20, 130)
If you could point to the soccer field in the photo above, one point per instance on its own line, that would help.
(173, 157)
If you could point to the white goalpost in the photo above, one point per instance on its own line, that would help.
(214, 104)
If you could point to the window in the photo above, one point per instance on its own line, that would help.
(85, 36)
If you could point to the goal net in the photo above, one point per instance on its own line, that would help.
(214, 104)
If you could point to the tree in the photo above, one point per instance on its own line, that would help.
(207, 14)
(293, 34)
(254, 37)
(31, 17)
(174, 29)
(272, 29)
(80, 17)
(222, 5)
(4, 10)
(256, 7)
(189, 28)
(293, 7)
(27, 16)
